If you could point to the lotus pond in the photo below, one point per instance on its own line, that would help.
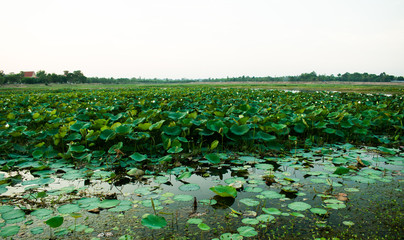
(204, 163)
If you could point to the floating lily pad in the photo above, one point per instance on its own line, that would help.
(299, 206)
(319, 211)
(203, 227)
(9, 231)
(213, 158)
(253, 189)
(296, 214)
(36, 230)
(247, 231)
(154, 222)
(251, 221)
(272, 211)
(265, 218)
(183, 198)
(120, 208)
(68, 208)
(271, 194)
(13, 216)
(224, 191)
(42, 214)
(161, 179)
(109, 203)
(189, 187)
(249, 202)
(348, 223)
(194, 221)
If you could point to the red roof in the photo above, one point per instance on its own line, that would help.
(29, 74)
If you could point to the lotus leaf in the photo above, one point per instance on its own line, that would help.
(189, 187)
(247, 231)
(299, 206)
(224, 191)
(154, 222)
(9, 231)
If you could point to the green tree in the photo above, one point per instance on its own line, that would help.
(2, 77)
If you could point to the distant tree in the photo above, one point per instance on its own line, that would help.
(13, 78)
(78, 77)
(2, 77)
(42, 77)
(308, 77)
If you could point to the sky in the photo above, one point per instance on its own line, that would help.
(202, 38)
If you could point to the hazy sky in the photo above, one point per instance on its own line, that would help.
(202, 38)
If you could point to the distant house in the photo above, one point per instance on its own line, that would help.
(29, 74)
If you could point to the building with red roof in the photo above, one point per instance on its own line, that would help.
(29, 75)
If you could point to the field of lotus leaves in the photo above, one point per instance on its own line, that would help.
(200, 163)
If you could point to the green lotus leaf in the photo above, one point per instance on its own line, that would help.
(73, 137)
(36, 230)
(299, 206)
(194, 221)
(172, 131)
(215, 125)
(176, 149)
(55, 222)
(247, 231)
(184, 175)
(6, 208)
(114, 148)
(154, 222)
(264, 136)
(138, 157)
(68, 208)
(183, 198)
(189, 187)
(299, 127)
(79, 125)
(278, 127)
(239, 130)
(77, 148)
(9, 231)
(296, 214)
(348, 223)
(109, 203)
(37, 154)
(156, 125)
(272, 211)
(213, 158)
(177, 115)
(42, 213)
(250, 202)
(123, 129)
(224, 191)
(271, 194)
(319, 211)
(203, 227)
(265, 218)
(251, 221)
(107, 134)
(120, 208)
(341, 170)
(329, 130)
(13, 216)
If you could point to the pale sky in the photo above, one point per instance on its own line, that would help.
(202, 38)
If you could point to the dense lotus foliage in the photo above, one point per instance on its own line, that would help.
(88, 124)
(199, 163)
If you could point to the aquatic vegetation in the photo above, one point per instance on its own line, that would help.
(217, 163)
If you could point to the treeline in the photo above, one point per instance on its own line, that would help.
(76, 77)
(43, 78)
(313, 77)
